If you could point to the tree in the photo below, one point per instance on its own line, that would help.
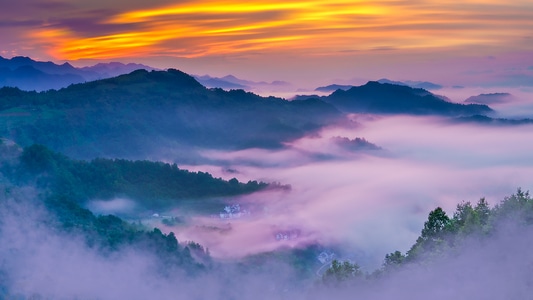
(341, 272)
(38, 158)
(483, 211)
(465, 219)
(431, 240)
(393, 260)
(518, 205)
(468, 219)
(436, 224)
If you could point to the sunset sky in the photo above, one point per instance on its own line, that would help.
(479, 42)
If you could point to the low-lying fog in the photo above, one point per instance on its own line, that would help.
(366, 202)
(37, 262)
(371, 202)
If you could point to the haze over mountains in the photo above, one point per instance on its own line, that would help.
(414, 84)
(232, 82)
(28, 74)
(123, 173)
(211, 168)
(492, 98)
(145, 110)
(375, 97)
(117, 108)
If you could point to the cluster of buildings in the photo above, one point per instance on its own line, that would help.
(233, 212)
(326, 257)
(287, 235)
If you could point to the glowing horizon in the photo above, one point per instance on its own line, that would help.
(213, 27)
(334, 34)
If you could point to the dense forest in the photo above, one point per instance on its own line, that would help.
(154, 185)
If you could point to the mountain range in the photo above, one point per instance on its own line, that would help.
(142, 112)
(231, 82)
(28, 74)
(492, 98)
(31, 75)
(387, 98)
(136, 114)
(484, 120)
(414, 84)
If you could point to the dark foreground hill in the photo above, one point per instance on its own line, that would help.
(375, 97)
(137, 113)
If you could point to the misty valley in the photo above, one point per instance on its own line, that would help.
(145, 184)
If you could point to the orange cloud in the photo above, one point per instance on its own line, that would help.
(314, 27)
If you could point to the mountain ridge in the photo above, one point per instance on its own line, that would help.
(136, 114)
(491, 98)
(375, 97)
(410, 83)
(55, 76)
(232, 82)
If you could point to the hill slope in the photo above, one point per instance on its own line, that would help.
(138, 113)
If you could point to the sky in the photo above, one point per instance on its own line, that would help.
(472, 42)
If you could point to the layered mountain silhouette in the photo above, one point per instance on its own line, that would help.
(136, 114)
(492, 98)
(28, 74)
(414, 84)
(223, 83)
(484, 120)
(29, 78)
(231, 82)
(333, 87)
(112, 69)
(375, 97)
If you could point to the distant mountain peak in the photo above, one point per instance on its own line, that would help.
(333, 87)
(171, 76)
(387, 98)
(388, 81)
(484, 120)
(230, 77)
(22, 59)
(232, 82)
(40, 76)
(414, 84)
(491, 98)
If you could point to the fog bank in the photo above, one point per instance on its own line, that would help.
(373, 202)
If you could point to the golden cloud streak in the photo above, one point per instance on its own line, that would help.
(223, 27)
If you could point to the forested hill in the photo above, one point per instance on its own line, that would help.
(152, 185)
(137, 113)
(375, 97)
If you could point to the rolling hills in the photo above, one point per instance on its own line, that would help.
(137, 113)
